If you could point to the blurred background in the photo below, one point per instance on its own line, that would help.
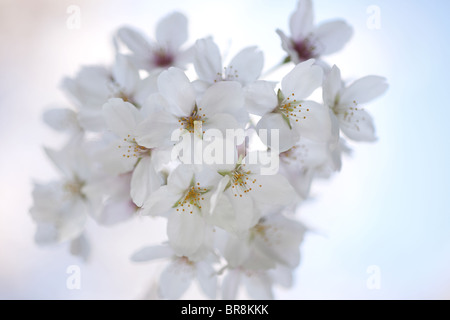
(386, 214)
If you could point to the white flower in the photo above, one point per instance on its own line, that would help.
(244, 68)
(171, 34)
(308, 41)
(245, 190)
(61, 208)
(274, 240)
(288, 111)
(185, 202)
(126, 154)
(345, 103)
(94, 85)
(178, 275)
(220, 107)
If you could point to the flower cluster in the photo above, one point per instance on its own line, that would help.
(224, 155)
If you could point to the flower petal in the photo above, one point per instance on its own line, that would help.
(151, 253)
(332, 86)
(121, 117)
(272, 189)
(302, 80)
(223, 97)
(357, 125)
(176, 279)
(157, 130)
(364, 90)
(332, 36)
(186, 232)
(247, 64)
(316, 123)
(176, 88)
(135, 41)
(301, 20)
(207, 279)
(274, 121)
(260, 97)
(207, 61)
(144, 181)
(172, 31)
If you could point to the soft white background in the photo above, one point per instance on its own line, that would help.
(388, 206)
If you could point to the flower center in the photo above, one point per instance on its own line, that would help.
(188, 123)
(241, 181)
(305, 49)
(132, 149)
(73, 187)
(290, 108)
(162, 59)
(228, 74)
(191, 199)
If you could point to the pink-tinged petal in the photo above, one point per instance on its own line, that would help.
(186, 232)
(260, 97)
(287, 137)
(121, 117)
(332, 86)
(357, 125)
(116, 211)
(176, 88)
(302, 20)
(176, 279)
(144, 181)
(207, 61)
(172, 31)
(135, 41)
(302, 80)
(332, 36)
(364, 90)
(246, 66)
(288, 46)
(152, 253)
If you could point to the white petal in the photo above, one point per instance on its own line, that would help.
(273, 189)
(237, 250)
(72, 219)
(152, 253)
(222, 122)
(116, 211)
(247, 64)
(134, 40)
(230, 285)
(258, 286)
(314, 124)
(260, 97)
(121, 117)
(207, 61)
(364, 90)
(125, 74)
(207, 279)
(160, 202)
(357, 125)
(80, 247)
(185, 231)
(92, 119)
(172, 31)
(176, 279)
(144, 181)
(157, 130)
(302, 80)
(301, 20)
(332, 36)
(287, 137)
(176, 88)
(287, 45)
(332, 86)
(180, 179)
(62, 120)
(222, 97)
